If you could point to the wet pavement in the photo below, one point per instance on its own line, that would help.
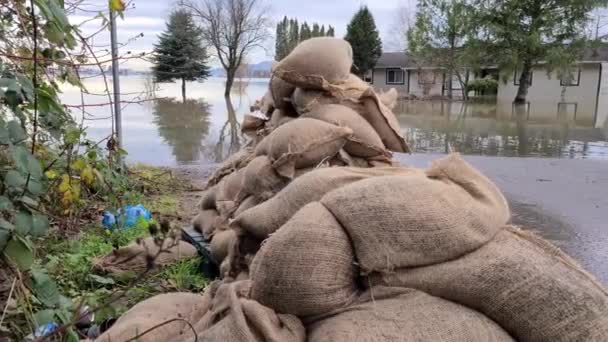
(564, 200)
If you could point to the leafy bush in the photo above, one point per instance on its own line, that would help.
(481, 85)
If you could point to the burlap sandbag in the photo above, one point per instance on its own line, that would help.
(246, 204)
(205, 222)
(316, 63)
(389, 98)
(307, 267)
(261, 180)
(252, 124)
(133, 259)
(265, 218)
(267, 104)
(419, 219)
(235, 162)
(182, 308)
(281, 92)
(384, 122)
(530, 288)
(279, 117)
(222, 244)
(302, 143)
(405, 315)
(347, 93)
(229, 190)
(364, 142)
(207, 201)
(233, 317)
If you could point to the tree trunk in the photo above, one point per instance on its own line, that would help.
(522, 92)
(183, 90)
(229, 81)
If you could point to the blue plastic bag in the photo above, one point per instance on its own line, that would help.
(126, 217)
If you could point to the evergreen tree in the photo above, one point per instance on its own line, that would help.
(315, 30)
(363, 36)
(330, 31)
(294, 34)
(180, 54)
(322, 33)
(305, 32)
(282, 41)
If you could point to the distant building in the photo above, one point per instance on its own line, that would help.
(585, 98)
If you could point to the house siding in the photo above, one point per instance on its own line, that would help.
(420, 89)
(379, 81)
(545, 95)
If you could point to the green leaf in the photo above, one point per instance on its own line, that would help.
(45, 289)
(44, 316)
(14, 179)
(58, 13)
(20, 251)
(23, 223)
(27, 87)
(4, 136)
(34, 187)
(4, 236)
(101, 280)
(28, 201)
(33, 166)
(19, 154)
(71, 336)
(5, 203)
(16, 132)
(40, 225)
(9, 83)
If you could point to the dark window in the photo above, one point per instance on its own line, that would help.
(517, 76)
(573, 81)
(394, 76)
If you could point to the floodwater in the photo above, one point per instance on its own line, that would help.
(204, 130)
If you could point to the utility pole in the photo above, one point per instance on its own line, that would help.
(115, 79)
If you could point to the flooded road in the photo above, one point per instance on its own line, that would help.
(562, 195)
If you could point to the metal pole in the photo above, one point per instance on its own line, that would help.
(115, 78)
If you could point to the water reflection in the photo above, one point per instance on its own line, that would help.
(183, 126)
(231, 131)
(481, 128)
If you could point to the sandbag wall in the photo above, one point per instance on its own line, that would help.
(322, 237)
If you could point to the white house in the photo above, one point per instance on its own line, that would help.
(585, 98)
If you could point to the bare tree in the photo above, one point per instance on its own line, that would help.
(233, 28)
(403, 20)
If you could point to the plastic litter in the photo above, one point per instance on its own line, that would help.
(125, 217)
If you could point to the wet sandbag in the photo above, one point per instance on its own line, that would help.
(265, 218)
(302, 143)
(419, 219)
(261, 180)
(389, 98)
(384, 122)
(206, 222)
(133, 259)
(405, 315)
(222, 244)
(307, 267)
(184, 308)
(267, 104)
(252, 124)
(279, 117)
(364, 142)
(523, 283)
(234, 317)
(316, 63)
(248, 203)
(281, 93)
(207, 201)
(235, 162)
(229, 190)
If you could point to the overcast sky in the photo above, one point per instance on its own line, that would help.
(148, 17)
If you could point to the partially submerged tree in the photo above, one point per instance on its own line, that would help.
(233, 27)
(363, 36)
(179, 54)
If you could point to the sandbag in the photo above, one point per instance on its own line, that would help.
(305, 268)
(389, 98)
(184, 308)
(316, 63)
(252, 124)
(207, 201)
(281, 92)
(266, 104)
(206, 222)
(523, 283)
(302, 143)
(222, 244)
(246, 204)
(234, 317)
(279, 117)
(384, 122)
(347, 93)
(265, 218)
(419, 219)
(405, 315)
(235, 162)
(261, 180)
(133, 259)
(229, 190)
(364, 142)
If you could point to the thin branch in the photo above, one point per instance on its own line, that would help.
(160, 325)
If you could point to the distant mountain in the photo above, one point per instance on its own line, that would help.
(258, 70)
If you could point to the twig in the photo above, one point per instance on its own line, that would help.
(163, 324)
(10, 294)
(35, 77)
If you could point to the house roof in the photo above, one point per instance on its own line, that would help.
(394, 60)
